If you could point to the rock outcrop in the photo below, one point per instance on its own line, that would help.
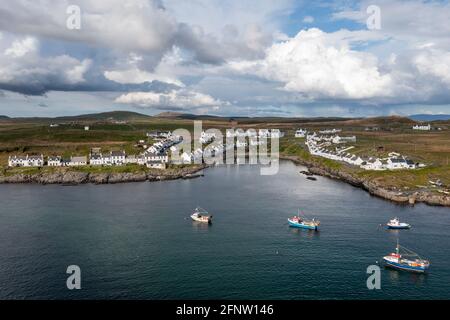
(68, 176)
(373, 188)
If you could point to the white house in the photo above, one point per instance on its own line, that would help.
(156, 164)
(156, 134)
(77, 161)
(132, 159)
(54, 161)
(373, 164)
(276, 133)
(400, 163)
(150, 156)
(422, 127)
(26, 161)
(300, 133)
(118, 158)
(96, 159)
(207, 137)
(332, 131)
(337, 139)
(140, 159)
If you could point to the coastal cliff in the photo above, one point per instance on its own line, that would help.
(411, 197)
(68, 176)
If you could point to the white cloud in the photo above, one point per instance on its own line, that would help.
(176, 98)
(434, 63)
(132, 73)
(22, 69)
(135, 75)
(22, 47)
(76, 73)
(315, 64)
(308, 19)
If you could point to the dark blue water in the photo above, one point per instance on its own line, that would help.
(136, 240)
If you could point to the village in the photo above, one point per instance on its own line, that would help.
(328, 144)
(324, 143)
(156, 156)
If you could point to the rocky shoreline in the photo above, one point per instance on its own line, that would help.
(72, 177)
(372, 188)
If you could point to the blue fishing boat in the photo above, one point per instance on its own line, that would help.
(407, 260)
(301, 222)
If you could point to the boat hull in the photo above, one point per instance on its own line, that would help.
(201, 220)
(301, 226)
(398, 266)
(404, 226)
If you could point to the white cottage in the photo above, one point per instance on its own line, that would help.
(118, 158)
(54, 161)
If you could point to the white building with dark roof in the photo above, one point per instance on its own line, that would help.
(118, 157)
(54, 161)
(26, 161)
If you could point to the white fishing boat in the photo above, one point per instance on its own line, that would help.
(396, 224)
(201, 215)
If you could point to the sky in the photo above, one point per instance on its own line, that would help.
(288, 58)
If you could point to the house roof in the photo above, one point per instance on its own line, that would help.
(118, 153)
(78, 159)
(36, 157)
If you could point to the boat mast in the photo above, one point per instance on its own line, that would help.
(397, 249)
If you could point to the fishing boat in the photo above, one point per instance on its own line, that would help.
(311, 178)
(201, 215)
(301, 222)
(407, 260)
(396, 224)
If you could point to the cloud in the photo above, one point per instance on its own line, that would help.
(412, 22)
(317, 65)
(23, 70)
(308, 19)
(123, 24)
(176, 98)
(19, 48)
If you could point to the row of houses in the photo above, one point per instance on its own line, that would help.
(318, 147)
(261, 133)
(115, 158)
(422, 127)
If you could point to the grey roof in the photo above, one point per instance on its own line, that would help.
(398, 160)
(118, 153)
(78, 159)
(36, 157)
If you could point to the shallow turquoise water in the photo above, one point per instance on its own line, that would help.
(136, 240)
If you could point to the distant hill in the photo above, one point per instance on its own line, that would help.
(113, 115)
(103, 116)
(3, 117)
(429, 117)
(240, 119)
